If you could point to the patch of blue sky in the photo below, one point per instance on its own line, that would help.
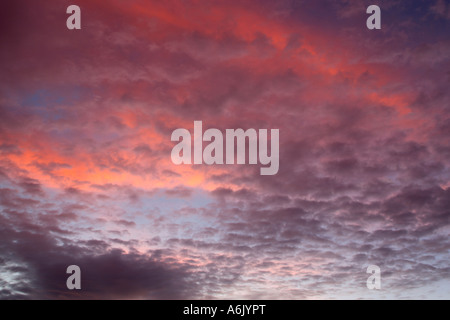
(170, 206)
(48, 103)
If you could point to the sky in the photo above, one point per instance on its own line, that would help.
(86, 176)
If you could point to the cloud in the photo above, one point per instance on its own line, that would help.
(441, 8)
(85, 170)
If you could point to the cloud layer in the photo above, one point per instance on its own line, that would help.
(86, 176)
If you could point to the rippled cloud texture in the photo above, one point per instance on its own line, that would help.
(86, 176)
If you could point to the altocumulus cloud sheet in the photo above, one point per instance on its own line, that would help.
(224, 150)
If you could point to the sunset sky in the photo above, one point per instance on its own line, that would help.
(86, 176)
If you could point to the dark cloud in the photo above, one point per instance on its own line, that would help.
(179, 192)
(106, 273)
